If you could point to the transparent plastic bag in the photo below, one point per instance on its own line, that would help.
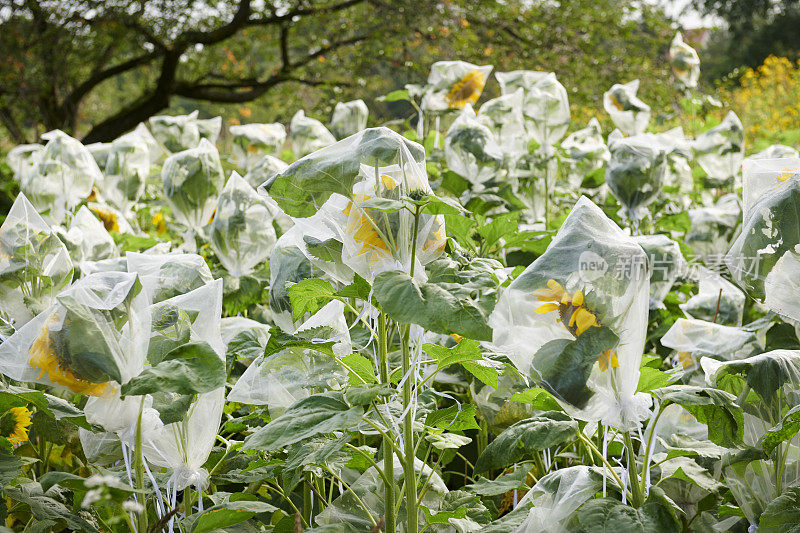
(264, 169)
(684, 61)
(349, 118)
(236, 329)
(782, 286)
(713, 228)
(454, 84)
(666, 262)
(155, 151)
(164, 276)
(693, 339)
(87, 238)
(503, 115)
(720, 151)
(88, 341)
(584, 151)
(184, 132)
(308, 134)
(111, 218)
(241, 234)
(626, 110)
(34, 264)
(679, 152)
(251, 142)
(556, 496)
(126, 170)
(760, 175)
(717, 300)
(581, 309)
(636, 171)
(63, 177)
(768, 232)
(23, 159)
(192, 181)
(471, 150)
(546, 110)
(776, 151)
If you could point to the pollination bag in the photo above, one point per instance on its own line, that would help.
(714, 227)
(264, 169)
(63, 176)
(308, 134)
(769, 232)
(111, 218)
(584, 151)
(471, 149)
(760, 175)
(720, 151)
(126, 169)
(87, 341)
(87, 238)
(183, 132)
(636, 171)
(626, 110)
(503, 116)
(164, 276)
(774, 151)
(666, 262)
(454, 84)
(679, 152)
(34, 264)
(684, 61)
(23, 159)
(251, 142)
(353, 174)
(281, 379)
(546, 110)
(717, 300)
(155, 150)
(349, 118)
(577, 315)
(241, 234)
(243, 338)
(192, 180)
(693, 339)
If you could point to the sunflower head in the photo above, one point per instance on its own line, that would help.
(160, 223)
(467, 90)
(108, 218)
(14, 425)
(51, 357)
(685, 359)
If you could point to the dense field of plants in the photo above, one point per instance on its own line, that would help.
(487, 318)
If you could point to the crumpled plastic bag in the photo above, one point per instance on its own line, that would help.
(578, 314)
(183, 132)
(556, 496)
(546, 108)
(471, 149)
(251, 142)
(164, 276)
(127, 166)
(155, 151)
(241, 234)
(264, 169)
(87, 238)
(333, 183)
(63, 177)
(626, 110)
(684, 61)
(308, 134)
(503, 115)
(775, 151)
(237, 329)
(24, 159)
(34, 264)
(769, 231)
(703, 305)
(636, 171)
(720, 151)
(112, 219)
(693, 339)
(666, 262)
(584, 151)
(713, 228)
(349, 118)
(679, 152)
(760, 175)
(87, 341)
(192, 181)
(454, 84)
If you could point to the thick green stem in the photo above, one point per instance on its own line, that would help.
(141, 518)
(408, 439)
(637, 498)
(390, 519)
(651, 437)
(307, 502)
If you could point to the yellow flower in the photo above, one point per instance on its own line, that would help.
(573, 314)
(108, 218)
(615, 102)
(213, 214)
(467, 90)
(15, 425)
(364, 231)
(685, 359)
(159, 223)
(44, 357)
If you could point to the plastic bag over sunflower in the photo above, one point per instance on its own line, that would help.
(575, 320)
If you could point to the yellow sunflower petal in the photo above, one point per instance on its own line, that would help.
(546, 308)
(577, 298)
(583, 319)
